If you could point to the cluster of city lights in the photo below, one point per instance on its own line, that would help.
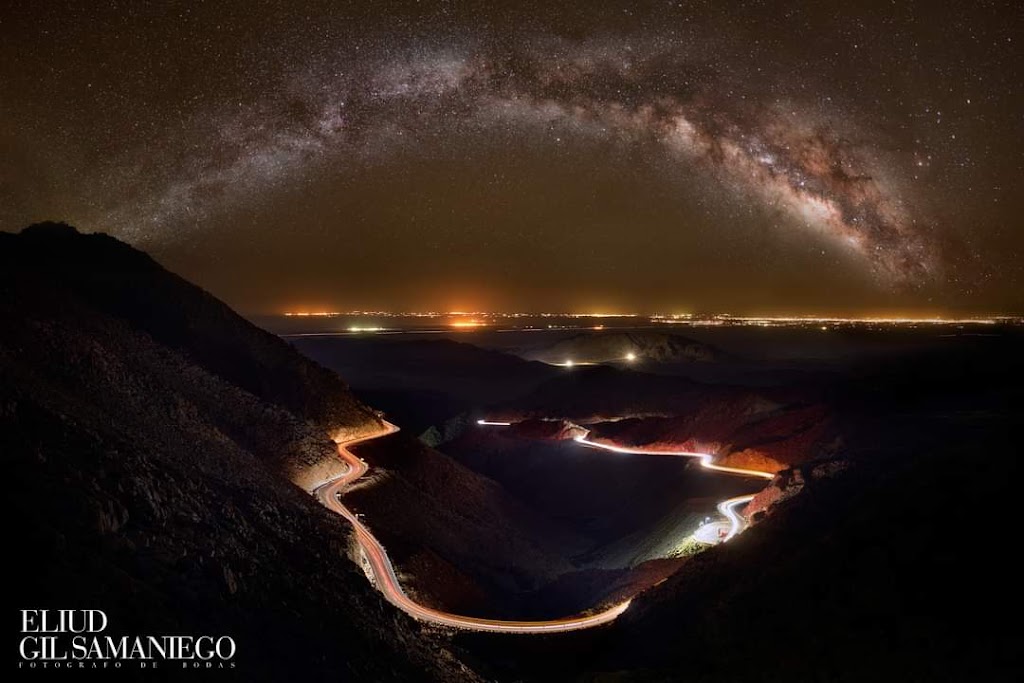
(441, 314)
(769, 321)
(474, 320)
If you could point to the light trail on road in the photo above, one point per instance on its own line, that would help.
(706, 461)
(727, 508)
(386, 580)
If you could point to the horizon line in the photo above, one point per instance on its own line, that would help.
(664, 318)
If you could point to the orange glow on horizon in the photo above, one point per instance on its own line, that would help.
(466, 319)
(466, 324)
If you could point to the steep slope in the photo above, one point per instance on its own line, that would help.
(145, 429)
(117, 281)
(885, 571)
(897, 566)
(455, 533)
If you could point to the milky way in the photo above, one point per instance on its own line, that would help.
(861, 145)
(798, 161)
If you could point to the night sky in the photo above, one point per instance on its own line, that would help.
(757, 157)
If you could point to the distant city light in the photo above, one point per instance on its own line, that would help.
(469, 319)
(568, 363)
(630, 356)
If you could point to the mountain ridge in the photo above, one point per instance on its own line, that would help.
(145, 482)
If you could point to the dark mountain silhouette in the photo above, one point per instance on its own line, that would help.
(638, 346)
(146, 429)
(421, 382)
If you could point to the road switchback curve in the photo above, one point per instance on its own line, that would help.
(383, 571)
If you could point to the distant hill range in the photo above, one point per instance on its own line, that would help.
(423, 382)
(624, 347)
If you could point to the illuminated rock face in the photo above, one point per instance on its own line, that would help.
(557, 430)
(789, 483)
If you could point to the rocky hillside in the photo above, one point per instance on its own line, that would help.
(462, 543)
(147, 433)
(894, 563)
(741, 429)
(630, 509)
(765, 428)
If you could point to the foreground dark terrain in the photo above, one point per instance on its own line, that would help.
(880, 552)
(896, 567)
(155, 440)
(147, 433)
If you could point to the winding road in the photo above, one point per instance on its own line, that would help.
(727, 508)
(383, 575)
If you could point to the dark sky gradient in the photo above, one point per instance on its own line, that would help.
(664, 157)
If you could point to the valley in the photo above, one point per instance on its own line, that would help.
(743, 494)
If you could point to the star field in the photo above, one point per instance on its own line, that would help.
(805, 157)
